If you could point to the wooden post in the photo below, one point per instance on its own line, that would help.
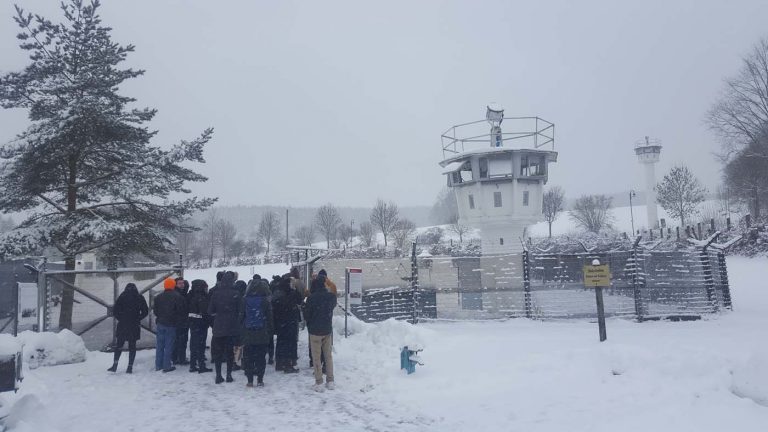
(677, 231)
(527, 283)
(728, 223)
(698, 226)
(414, 282)
(711, 225)
(600, 313)
(748, 220)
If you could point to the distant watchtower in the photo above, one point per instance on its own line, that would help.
(498, 188)
(648, 152)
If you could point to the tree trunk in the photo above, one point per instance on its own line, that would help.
(550, 229)
(757, 202)
(67, 293)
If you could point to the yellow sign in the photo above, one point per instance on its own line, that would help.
(597, 276)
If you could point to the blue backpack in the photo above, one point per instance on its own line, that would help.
(254, 315)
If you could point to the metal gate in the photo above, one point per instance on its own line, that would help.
(95, 293)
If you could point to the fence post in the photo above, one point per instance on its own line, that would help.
(42, 298)
(709, 281)
(677, 230)
(414, 282)
(711, 225)
(698, 226)
(724, 285)
(638, 283)
(728, 223)
(527, 283)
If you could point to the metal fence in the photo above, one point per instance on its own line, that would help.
(645, 284)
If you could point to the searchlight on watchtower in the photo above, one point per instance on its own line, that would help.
(498, 188)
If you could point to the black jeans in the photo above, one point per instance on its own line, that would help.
(254, 361)
(180, 345)
(198, 330)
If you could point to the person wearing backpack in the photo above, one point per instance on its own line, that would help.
(257, 324)
(319, 315)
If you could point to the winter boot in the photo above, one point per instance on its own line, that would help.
(229, 372)
(203, 369)
(129, 369)
(114, 361)
(290, 370)
(260, 381)
(219, 379)
(193, 368)
(279, 365)
(271, 360)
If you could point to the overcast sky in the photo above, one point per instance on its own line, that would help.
(345, 101)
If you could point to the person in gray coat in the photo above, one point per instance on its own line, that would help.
(257, 322)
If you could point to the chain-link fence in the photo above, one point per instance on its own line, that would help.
(645, 284)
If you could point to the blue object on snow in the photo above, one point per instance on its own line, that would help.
(409, 358)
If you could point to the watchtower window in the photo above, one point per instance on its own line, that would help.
(501, 241)
(526, 196)
(483, 168)
(471, 202)
(497, 199)
(532, 165)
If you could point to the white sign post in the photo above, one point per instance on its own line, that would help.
(353, 291)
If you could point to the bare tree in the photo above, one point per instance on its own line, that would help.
(209, 233)
(740, 116)
(746, 175)
(553, 205)
(679, 193)
(269, 228)
(328, 220)
(252, 247)
(305, 234)
(185, 241)
(593, 212)
(367, 234)
(225, 235)
(346, 234)
(384, 216)
(402, 232)
(458, 228)
(237, 248)
(445, 207)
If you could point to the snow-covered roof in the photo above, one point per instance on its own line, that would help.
(453, 166)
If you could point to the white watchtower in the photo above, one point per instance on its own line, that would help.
(648, 152)
(498, 188)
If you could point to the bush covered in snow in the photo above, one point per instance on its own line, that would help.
(751, 379)
(50, 349)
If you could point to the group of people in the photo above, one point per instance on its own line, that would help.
(245, 319)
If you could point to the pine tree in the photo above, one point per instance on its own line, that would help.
(84, 171)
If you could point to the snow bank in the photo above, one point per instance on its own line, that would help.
(28, 414)
(9, 345)
(751, 379)
(50, 349)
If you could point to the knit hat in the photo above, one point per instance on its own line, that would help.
(323, 272)
(169, 284)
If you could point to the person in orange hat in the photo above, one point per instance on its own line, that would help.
(170, 310)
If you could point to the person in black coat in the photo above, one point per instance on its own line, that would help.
(199, 321)
(130, 308)
(285, 308)
(319, 316)
(225, 307)
(241, 287)
(257, 322)
(182, 331)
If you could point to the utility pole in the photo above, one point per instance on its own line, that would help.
(631, 211)
(286, 227)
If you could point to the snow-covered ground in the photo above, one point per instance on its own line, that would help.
(709, 375)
